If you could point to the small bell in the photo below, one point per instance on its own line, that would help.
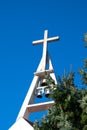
(47, 92)
(39, 93)
(43, 82)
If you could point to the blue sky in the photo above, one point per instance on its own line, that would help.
(21, 22)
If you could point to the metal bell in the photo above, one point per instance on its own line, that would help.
(39, 93)
(47, 92)
(43, 82)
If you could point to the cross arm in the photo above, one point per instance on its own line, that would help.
(48, 40)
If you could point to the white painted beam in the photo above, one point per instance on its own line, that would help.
(40, 106)
(48, 40)
(42, 73)
(28, 99)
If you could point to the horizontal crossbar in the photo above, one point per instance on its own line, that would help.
(42, 73)
(40, 106)
(48, 40)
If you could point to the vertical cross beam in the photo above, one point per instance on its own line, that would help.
(44, 55)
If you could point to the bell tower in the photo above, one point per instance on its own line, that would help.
(37, 87)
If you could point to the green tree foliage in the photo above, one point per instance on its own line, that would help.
(83, 73)
(70, 109)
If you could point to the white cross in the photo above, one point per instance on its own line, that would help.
(45, 41)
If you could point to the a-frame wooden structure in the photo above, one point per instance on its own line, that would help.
(28, 105)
